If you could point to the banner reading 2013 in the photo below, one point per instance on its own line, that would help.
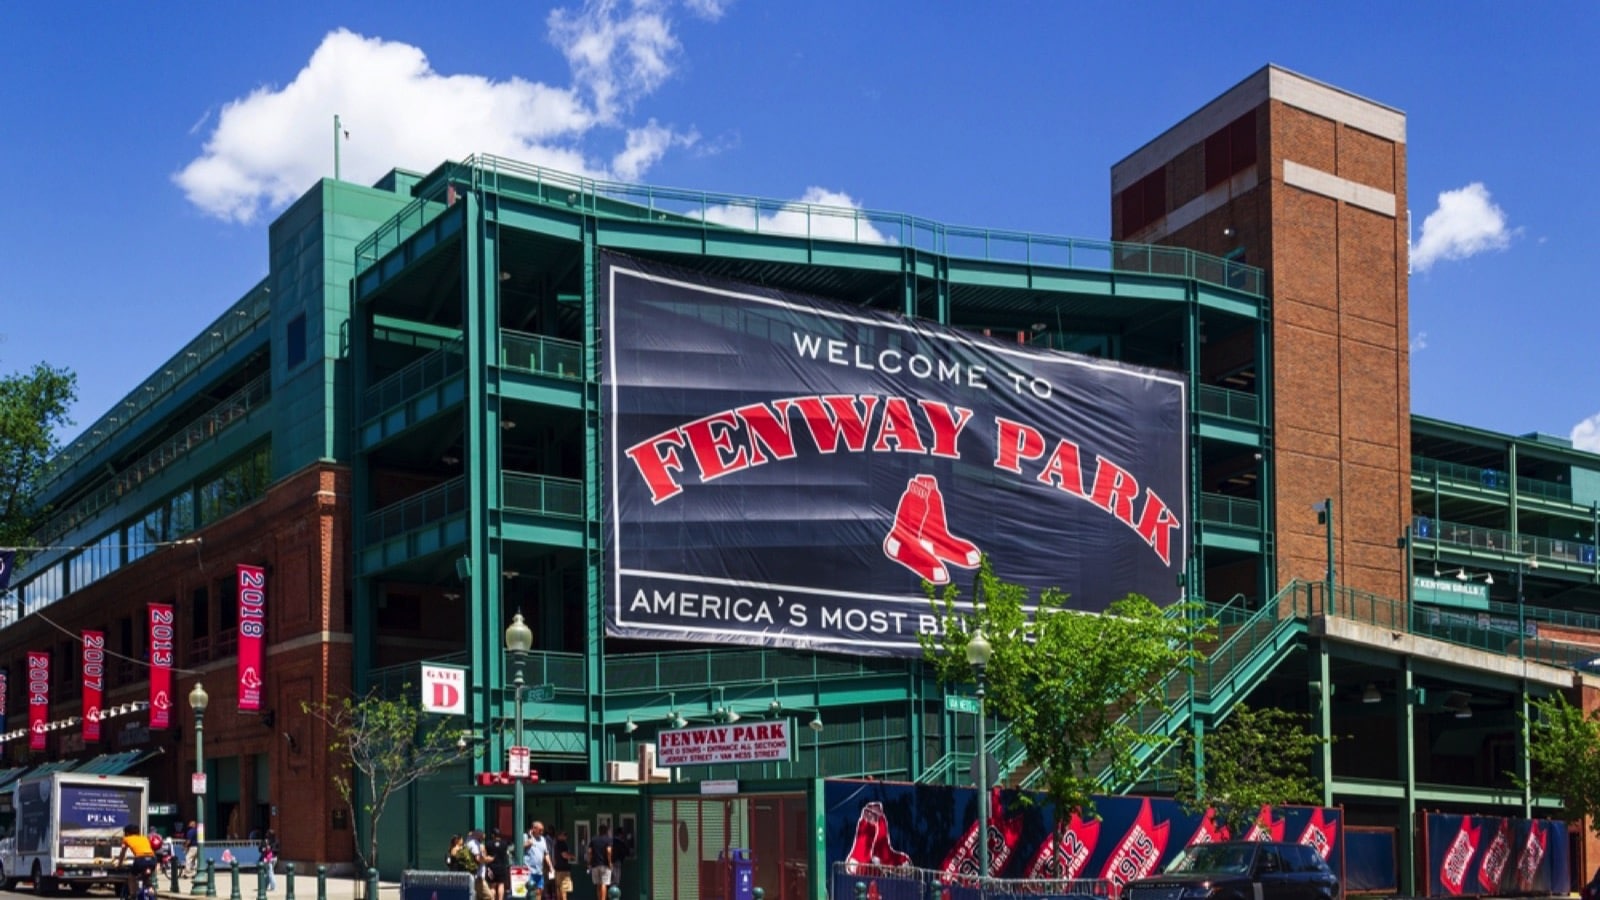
(252, 633)
(785, 470)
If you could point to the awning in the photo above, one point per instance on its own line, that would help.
(9, 775)
(115, 763)
(41, 769)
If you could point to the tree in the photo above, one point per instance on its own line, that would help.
(386, 743)
(1255, 758)
(33, 407)
(1063, 677)
(1564, 748)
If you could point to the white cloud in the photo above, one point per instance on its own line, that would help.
(1419, 342)
(270, 146)
(1466, 223)
(1586, 434)
(819, 213)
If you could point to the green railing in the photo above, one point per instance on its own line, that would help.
(1508, 547)
(1220, 509)
(563, 670)
(213, 422)
(1229, 404)
(1496, 480)
(694, 669)
(426, 371)
(542, 494)
(432, 505)
(541, 355)
(240, 319)
(708, 210)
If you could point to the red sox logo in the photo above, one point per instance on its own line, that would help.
(920, 538)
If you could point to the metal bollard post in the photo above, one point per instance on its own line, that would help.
(261, 880)
(758, 893)
(234, 868)
(613, 893)
(172, 868)
(372, 884)
(861, 890)
(322, 883)
(288, 881)
(211, 878)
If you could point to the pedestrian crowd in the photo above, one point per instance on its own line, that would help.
(549, 859)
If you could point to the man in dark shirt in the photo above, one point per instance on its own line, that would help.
(562, 863)
(498, 850)
(600, 860)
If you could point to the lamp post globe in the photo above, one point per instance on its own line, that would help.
(519, 640)
(198, 700)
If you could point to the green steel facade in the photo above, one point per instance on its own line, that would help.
(437, 334)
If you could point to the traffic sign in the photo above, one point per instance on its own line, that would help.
(520, 757)
(958, 703)
(990, 770)
(542, 693)
(197, 783)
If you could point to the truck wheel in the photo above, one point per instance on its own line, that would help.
(6, 881)
(42, 886)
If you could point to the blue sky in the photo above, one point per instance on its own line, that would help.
(147, 147)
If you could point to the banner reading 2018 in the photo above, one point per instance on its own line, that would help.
(783, 470)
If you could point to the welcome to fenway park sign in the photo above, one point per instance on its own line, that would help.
(786, 471)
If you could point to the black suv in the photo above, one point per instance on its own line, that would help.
(1240, 870)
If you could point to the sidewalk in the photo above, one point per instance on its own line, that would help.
(339, 887)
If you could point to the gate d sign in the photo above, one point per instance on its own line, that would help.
(444, 689)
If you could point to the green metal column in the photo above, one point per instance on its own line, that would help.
(1325, 722)
(1194, 573)
(1514, 524)
(1268, 565)
(594, 473)
(1406, 828)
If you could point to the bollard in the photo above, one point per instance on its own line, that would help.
(614, 893)
(261, 880)
(211, 878)
(861, 890)
(758, 893)
(234, 868)
(372, 884)
(288, 881)
(322, 883)
(172, 867)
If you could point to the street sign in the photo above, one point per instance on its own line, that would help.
(542, 693)
(990, 763)
(520, 757)
(197, 782)
(960, 704)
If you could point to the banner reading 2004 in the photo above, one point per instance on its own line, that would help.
(783, 470)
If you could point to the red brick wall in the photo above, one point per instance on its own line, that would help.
(300, 532)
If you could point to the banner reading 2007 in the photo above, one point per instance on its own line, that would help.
(784, 470)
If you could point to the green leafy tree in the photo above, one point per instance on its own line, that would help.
(33, 407)
(387, 744)
(1063, 677)
(1564, 749)
(1255, 758)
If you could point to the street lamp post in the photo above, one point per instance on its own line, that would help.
(978, 653)
(198, 699)
(1325, 518)
(519, 640)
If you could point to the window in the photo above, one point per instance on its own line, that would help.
(1144, 201)
(1230, 149)
(199, 607)
(294, 342)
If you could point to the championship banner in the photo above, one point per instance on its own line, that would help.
(161, 659)
(94, 682)
(787, 471)
(38, 698)
(252, 634)
(1490, 855)
(5, 690)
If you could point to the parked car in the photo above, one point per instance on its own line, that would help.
(1240, 870)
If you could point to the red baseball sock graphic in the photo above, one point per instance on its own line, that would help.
(936, 529)
(871, 845)
(920, 539)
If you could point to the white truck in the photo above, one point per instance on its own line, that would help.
(69, 830)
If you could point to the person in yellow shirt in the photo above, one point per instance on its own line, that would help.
(138, 847)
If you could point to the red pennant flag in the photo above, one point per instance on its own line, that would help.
(94, 682)
(38, 697)
(1141, 849)
(1004, 832)
(161, 659)
(1532, 861)
(1496, 857)
(1209, 831)
(1453, 875)
(252, 634)
(1320, 833)
(1066, 852)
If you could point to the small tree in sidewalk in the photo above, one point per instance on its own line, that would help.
(386, 744)
(1564, 749)
(1256, 758)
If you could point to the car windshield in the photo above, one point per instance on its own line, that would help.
(1232, 859)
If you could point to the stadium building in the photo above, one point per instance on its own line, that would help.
(657, 422)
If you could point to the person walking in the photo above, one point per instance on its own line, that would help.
(269, 858)
(536, 856)
(191, 850)
(561, 864)
(601, 860)
(498, 851)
